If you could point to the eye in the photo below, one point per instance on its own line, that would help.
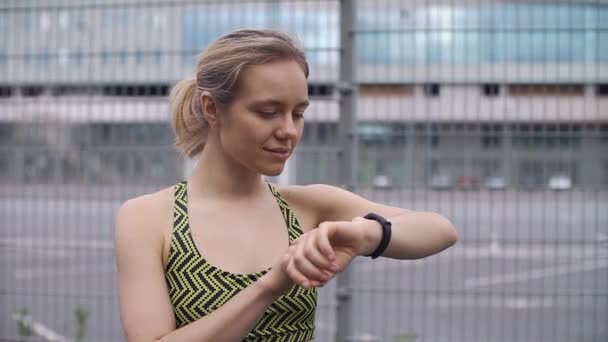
(267, 113)
(298, 115)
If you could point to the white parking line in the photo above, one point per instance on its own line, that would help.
(496, 302)
(56, 243)
(47, 272)
(588, 265)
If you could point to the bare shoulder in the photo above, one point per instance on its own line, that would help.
(143, 218)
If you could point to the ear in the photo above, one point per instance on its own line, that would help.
(210, 109)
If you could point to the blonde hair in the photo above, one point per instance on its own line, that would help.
(218, 72)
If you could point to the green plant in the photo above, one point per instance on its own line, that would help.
(82, 314)
(23, 329)
(407, 337)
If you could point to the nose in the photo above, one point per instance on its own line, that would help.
(287, 129)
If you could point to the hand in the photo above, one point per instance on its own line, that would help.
(305, 255)
(317, 256)
(277, 281)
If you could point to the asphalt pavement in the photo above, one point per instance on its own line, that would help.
(529, 267)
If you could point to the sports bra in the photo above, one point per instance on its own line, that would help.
(197, 288)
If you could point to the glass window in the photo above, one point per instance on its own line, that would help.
(431, 89)
(465, 47)
(64, 20)
(79, 20)
(491, 89)
(39, 166)
(44, 57)
(123, 17)
(158, 55)
(104, 56)
(139, 56)
(77, 57)
(505, 47)
(601, 14)
(600, 46)
(563, 46)
(113, 18)
(29, 57)
(122, 56)
(439, 47)
(158, 20)
(5, 165)
(374, 133)
(577, 46)
(108, 18)
(28, 21)
(486, 44)
(308, 22)
(62, 56)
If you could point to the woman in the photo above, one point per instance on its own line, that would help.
(226, 256)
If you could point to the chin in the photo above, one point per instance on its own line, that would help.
(273, 171)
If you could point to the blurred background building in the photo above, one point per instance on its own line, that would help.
(449, 95)
(508, 93)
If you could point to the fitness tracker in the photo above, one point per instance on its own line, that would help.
(386, 234)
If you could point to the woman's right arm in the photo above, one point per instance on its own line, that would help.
(145, 308)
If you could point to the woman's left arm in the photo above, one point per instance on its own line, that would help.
(415, 234)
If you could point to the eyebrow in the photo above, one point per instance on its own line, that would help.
(278, 103)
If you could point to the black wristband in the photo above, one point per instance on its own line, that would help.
(386, 234)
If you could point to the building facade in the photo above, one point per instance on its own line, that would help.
(450, 94)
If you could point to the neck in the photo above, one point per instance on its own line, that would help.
(218, 176)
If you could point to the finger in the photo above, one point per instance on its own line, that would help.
(314, 283)
(313, 254)
(291, 251)
(323, 244)
(305, 266)
(297, 276)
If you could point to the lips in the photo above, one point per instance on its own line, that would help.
(279, 152)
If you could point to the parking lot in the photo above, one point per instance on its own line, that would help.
(529, 267)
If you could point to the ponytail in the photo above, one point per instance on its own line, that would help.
(187, 118)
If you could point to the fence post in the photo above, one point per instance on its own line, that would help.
(347, 149)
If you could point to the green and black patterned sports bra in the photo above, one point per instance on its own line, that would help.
(197, 288)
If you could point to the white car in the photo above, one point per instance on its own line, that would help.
(382, 182)
(560, 182)
(495, 183)
(440, 181)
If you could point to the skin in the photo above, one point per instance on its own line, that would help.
(237, 226)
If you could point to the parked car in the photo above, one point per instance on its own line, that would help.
(560, 182)
(495, 183)
(468, 182)
(441, 181)
(382, 182)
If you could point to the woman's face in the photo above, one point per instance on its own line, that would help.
(264, 123)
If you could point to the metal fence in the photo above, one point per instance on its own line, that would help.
(493, 113)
